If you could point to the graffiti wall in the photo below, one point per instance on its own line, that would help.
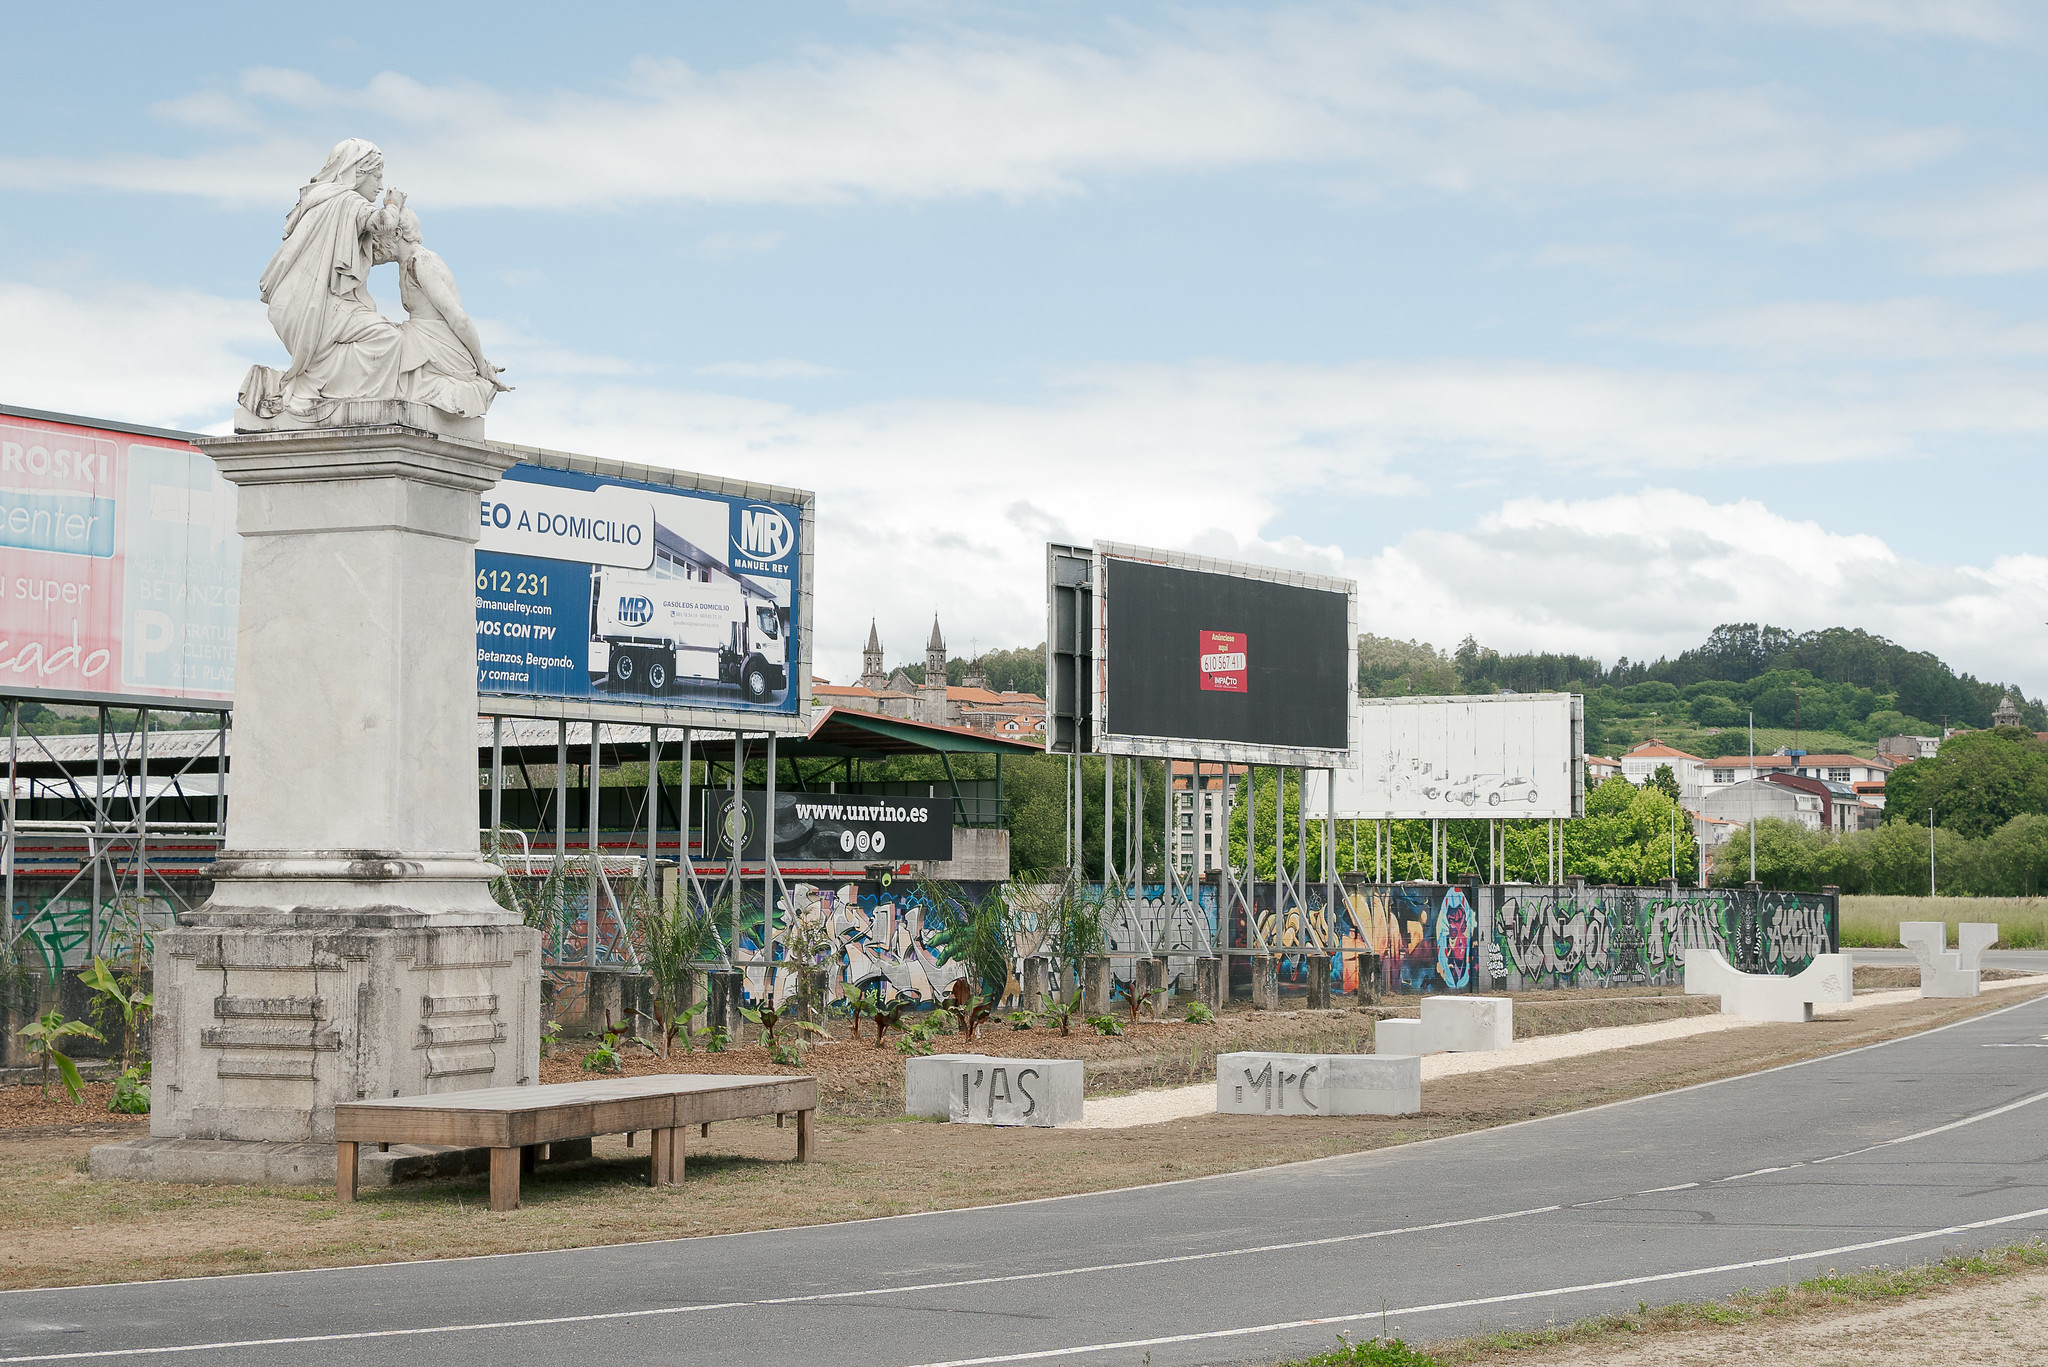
(905, 940)
(1561, 937)
(52, 926)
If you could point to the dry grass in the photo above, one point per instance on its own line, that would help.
(1873, 922)
(60, 1225)
(1827, 1294)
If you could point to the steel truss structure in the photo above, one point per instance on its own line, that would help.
(115, 778)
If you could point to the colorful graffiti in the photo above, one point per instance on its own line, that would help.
(1561, 937)
(58, 931)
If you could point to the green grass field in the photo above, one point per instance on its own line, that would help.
(1873, 922)
(1620, 733)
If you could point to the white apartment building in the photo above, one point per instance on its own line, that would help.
(1200, 842)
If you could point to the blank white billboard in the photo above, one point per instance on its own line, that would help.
(1517, 754)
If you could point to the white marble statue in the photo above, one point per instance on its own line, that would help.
(441, 357)
(343, 351)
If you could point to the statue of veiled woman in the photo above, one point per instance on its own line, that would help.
(317, 289)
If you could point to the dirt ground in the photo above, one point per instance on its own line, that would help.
(59, 1225)
(2001, 1323)
(858, 1079)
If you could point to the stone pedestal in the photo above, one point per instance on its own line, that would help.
(1095, 985)
(351, 947)
(1318, 967)
(1209, 982)
(1265, 983)
(1035, 979)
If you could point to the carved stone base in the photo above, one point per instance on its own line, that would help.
(261, 1028)
(368, 413)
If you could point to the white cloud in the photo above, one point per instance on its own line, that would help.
(1650, 573)
(164, 358)
(946, 504)
(1983, 20)
(717, 245)
(1994, 232)
(782, 369)
(1913, 329)
(1503, 98)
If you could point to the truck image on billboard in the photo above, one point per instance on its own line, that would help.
(631, 595)
(1205, 659)
(1514, 754)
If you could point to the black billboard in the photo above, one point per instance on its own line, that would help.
(816, 827)
(1195, 655)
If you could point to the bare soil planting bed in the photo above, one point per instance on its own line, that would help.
(59, 1225)
(858, 1079)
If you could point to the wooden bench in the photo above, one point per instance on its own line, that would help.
(512, 1122)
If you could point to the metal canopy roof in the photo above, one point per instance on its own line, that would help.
(837, 733)
(845, 733)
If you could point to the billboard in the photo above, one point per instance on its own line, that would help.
(637, 594)
(1516, 755)
(1205, 659)
(120, 569)
(821, 827)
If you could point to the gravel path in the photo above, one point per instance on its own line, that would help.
(1178, 1103)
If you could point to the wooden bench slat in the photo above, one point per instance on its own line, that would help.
(509, 1120)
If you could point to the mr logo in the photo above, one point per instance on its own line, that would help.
(765, 533)
(635, 611)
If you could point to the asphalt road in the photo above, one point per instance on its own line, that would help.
(2013, 960)
(1884, 1154)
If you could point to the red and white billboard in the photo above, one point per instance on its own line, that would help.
(120, 570)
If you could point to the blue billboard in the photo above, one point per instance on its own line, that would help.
(599, 589)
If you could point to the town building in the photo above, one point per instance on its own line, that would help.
(1851, 769)
(1640, 765)
(1899, 749)
(1758, 799)
(971, 704)
(1599, 769)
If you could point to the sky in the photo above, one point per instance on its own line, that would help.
(1572, 326)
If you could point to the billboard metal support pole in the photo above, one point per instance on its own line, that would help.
(13, 745)
(140, 805)
(590, 796)
(99, 826)
(768, 877)
(1330, 855)
(1254, 937)
(1070, 816)
(1301, 851)
(1226, 887)
(561, 792)
(653, 872)
(1134, 854)
(1108, 826)
(497, 777)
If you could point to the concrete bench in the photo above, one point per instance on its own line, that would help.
(513, 1122)
(1460, 1025)
(979, 1089)
(1257, 1083)
(1946, 973)
(1769, 996)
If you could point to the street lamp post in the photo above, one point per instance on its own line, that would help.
(1930, 852)
(1752, 797)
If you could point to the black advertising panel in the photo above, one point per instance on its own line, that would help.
(1199, 656)
(817, 827)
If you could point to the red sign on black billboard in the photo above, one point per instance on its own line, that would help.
(1223, 661)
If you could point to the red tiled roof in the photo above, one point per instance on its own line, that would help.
(1657, 749)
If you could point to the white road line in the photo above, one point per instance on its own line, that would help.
(1163, 1340)
(786, 1300)
(1941, 1129)
(1392, 1151)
